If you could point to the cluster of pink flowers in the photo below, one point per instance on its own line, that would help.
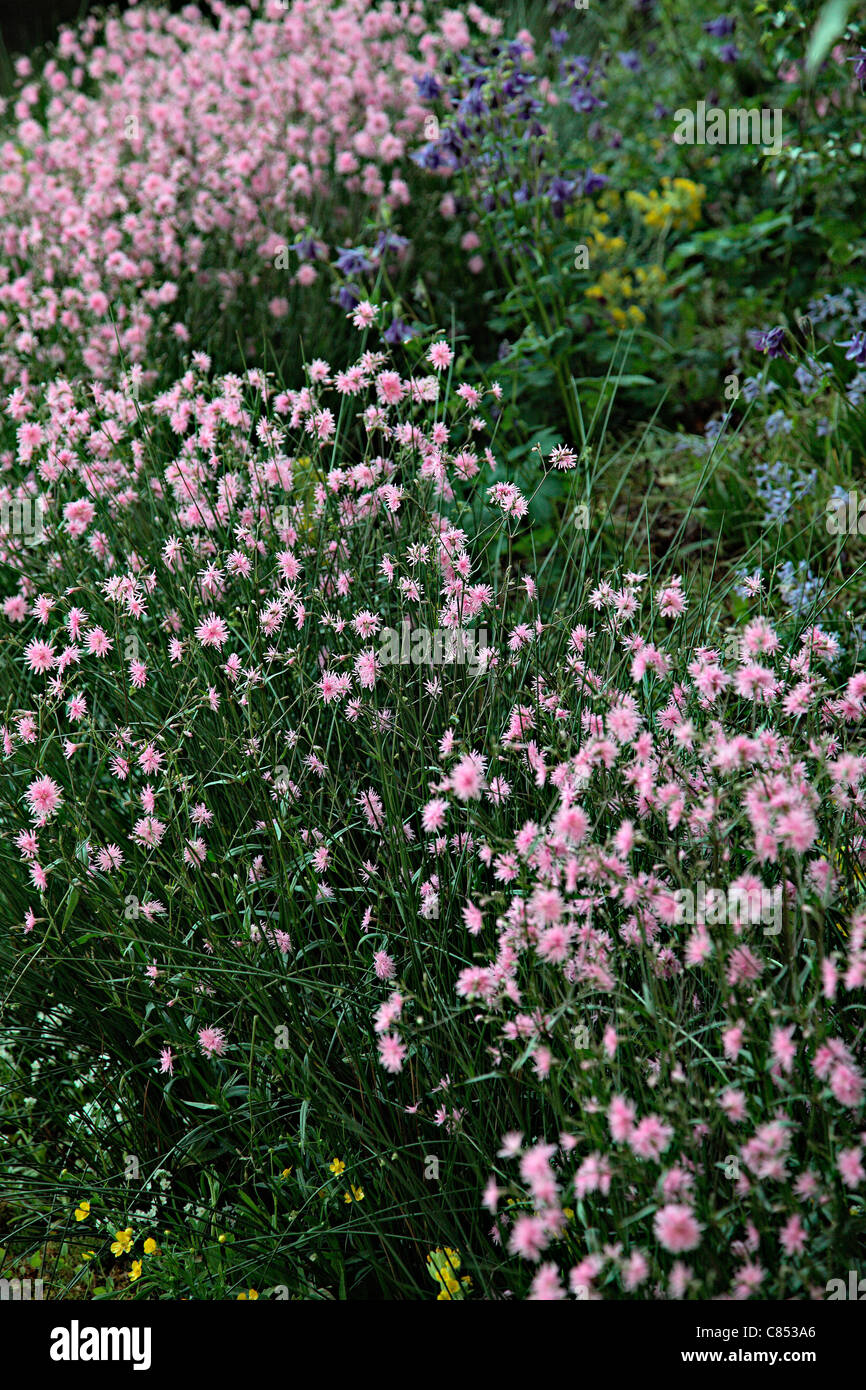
(157, 150)
(262, 589)
(701, 1072)
(631, 747)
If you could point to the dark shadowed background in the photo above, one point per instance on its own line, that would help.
(24, 24)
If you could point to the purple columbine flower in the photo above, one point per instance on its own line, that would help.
(473, 104)
(390, 241)
(561, 192)
(582, 99)
(856, 349)
(768, 340)
(397, 331)
(348, 297)
(720, 28)
(592, 181)
(428, 87)
(729, 53)
(431, 156)
(352, 260)
(558, 38)
(307, 249)
(859, 60)
(630, 61)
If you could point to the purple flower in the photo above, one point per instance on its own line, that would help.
(390, 241)
(307, 249)
(859, 60)
(352, 260)
(397, 332)
(769, 340)
(348, 297)
(583, 99)
(558, 38)
(428, 87)
(720, 28)
(561, 192)
(592, 181)
(729, 53)
(630, 61)
(473, 104)
(856, 349)
(431, 156)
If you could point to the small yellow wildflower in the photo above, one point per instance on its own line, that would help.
(442, 1265)
(356, 1195)
(285, 1173)
(122, 1242)
(246, 1297)
(149, 1245)
(82, 1211)
(135, 1272)
(337, 1166)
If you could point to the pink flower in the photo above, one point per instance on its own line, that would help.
(529, 1237)
(44, 797)
(650, 1138)
(676, 1228)
(792, 1236)
(392, 1052)
(850, 1165)
(212, 632)
(467, 778)
(98, 642)
(635, 1271)
(620, 1118)
(40, 656)
(546, 1286)
(797, 829)
(390, 388)
(384, 966)
(440, 355)
(212, 1041)
(846, 1083)
(433, 815)
(572, 822)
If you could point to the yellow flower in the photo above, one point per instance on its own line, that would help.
(88, 1255)
(337, 1166)
(285, 1173)
(122, 1241)
(245, 1297)
(135, 1272)
(442, 1264)
(222, 1239)
(149, 1245)
(82, 1211)
(356, 1195)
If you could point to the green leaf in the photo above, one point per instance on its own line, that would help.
(70, 907)
(830, 26)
